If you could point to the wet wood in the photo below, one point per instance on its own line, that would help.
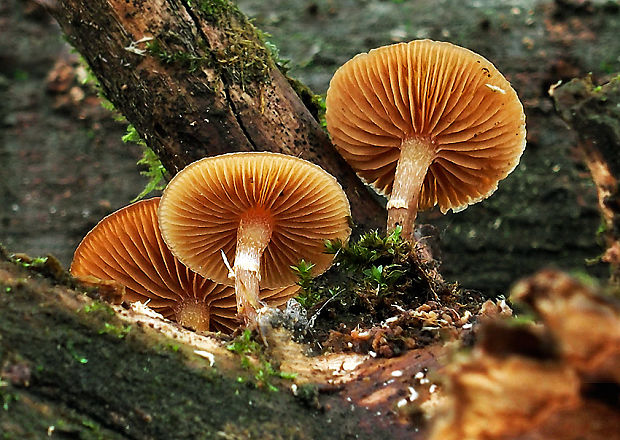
(196, 80)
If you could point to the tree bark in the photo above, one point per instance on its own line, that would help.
(195, 79)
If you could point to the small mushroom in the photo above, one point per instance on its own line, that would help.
(426, 123)
(127, 247)
(262, 211)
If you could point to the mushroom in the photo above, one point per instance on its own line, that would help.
(262, 211)
(425, 123)
(127, 247)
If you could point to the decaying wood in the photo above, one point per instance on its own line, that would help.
(554, 380)
(196, 80)
(594, 113)
(71, 367)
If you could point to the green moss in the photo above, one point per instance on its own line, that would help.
(187, 61)
(313, 102)
(153, 170)
(263, 371)
(243, 57)
(216, 11)
(173, 347)
(36, 262)
(102, 316)
(99, 307)
(309, 296)
(48, 266)
(365, 271)
(6, 397)
(118, 331)
(274, 51)
(90, 79)
(75, 355)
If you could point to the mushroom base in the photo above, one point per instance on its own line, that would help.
(253, 235)
(416, 157)
(247, 287)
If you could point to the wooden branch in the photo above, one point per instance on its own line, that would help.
(196, 80)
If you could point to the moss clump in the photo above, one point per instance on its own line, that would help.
(254, 359)
(313, 102)
(187, 61)
(381, 296)
(216, 11)
(242, 58)
(366, 274)
(118, 331)
(153, 170)
(47, 266)
(98, 307)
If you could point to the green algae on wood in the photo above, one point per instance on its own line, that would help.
(97, 385)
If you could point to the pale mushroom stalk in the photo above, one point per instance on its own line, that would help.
(416, 156)
(253, 235)
(263, 212)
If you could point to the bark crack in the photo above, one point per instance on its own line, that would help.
(238, 118)
(196, 20)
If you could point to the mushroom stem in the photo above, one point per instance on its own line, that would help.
(193, 314)
(253, 235)
(416, 156)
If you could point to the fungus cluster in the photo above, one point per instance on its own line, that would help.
(127, 247)
(262, 211)
(426, 123)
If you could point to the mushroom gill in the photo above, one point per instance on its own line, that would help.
(426, 123)
(263, 212)
(127, 247)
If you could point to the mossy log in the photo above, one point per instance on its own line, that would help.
(72, 366)
(196, 79)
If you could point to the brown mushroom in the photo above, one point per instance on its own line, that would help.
(426, 123)
(262, 211)
(127, 247)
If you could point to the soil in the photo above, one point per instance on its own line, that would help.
(64, 165)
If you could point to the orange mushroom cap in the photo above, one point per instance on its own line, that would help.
(201, 210)
(127, 247)
(446, 97)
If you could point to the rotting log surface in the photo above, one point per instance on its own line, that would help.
(73, 368)
(196, 80)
